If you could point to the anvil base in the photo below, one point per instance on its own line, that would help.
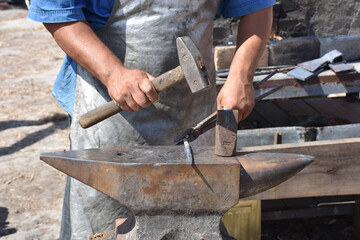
(168, 225)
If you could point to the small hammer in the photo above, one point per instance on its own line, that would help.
(192, 68)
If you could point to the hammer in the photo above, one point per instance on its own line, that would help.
(191, 68)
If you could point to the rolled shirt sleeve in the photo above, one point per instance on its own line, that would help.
(96, 13)
(239, 8)
(55, 11)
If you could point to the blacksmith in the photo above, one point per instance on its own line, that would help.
(114, 48)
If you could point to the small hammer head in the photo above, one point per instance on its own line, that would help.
(226, 133)
(192, 64)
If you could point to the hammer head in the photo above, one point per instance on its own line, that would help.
(192, 64)
(226, 133)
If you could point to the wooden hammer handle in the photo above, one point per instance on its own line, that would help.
(161, 83)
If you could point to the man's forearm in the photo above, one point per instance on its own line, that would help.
(79, 41)
(131, 89)
(253, 33)
(238, 92)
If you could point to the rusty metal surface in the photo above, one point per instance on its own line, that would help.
(192, 64)
(153, 178)
(159, 178)
(225, 132)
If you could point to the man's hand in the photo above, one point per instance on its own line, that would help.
(238, 92)
(131, 89)
(236, 95)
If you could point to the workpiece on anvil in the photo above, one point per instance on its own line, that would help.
(191, 68)
(209, 122)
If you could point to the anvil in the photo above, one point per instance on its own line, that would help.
(159, 179)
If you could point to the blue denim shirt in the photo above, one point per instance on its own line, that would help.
(96, 13)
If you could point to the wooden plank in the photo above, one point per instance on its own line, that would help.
(296, 108)
(335, 170)
(338, 132)
(346, 108)
(265, 136)
(338, 111)
(254, 120)
(310, 112)
(272, 113)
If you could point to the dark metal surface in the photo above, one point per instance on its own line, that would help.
(257, 174)
(300, 73)
(160, 178)
(225, 132)
(258, 84)
(341, 67)
(330, 57)
(192, 64)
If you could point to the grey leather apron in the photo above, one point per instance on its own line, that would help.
(142, 34)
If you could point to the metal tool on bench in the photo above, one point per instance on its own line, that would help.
(309, 69)
(192, 68)
(208, 123)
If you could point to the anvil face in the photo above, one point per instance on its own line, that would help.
(160, 177)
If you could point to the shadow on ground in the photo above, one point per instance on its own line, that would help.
(59, 122)
(4, 231)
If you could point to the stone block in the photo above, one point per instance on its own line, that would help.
(292, 51)
(349, 46)
(223, 56)
(264, 59)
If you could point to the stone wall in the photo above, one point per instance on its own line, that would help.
(299, 18)
(320, 18)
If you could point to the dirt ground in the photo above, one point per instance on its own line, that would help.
(31, 122)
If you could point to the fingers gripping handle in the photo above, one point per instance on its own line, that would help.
(161, 83)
